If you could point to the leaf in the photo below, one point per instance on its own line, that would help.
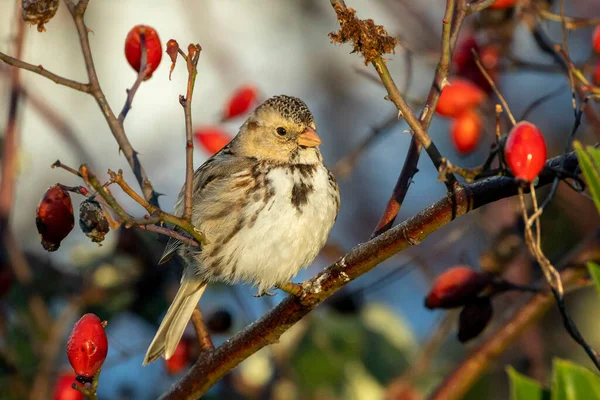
(574, 382)
(595, 274)
(589, 161)
(525, 388)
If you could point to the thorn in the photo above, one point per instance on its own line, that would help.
(445, 82)
(425, 112)
(400, 115)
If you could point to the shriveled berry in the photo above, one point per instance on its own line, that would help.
(456, 287)
(87, 347)
(180, 358)
(503, 4)
(133, 50)
(54, 218)
(212, 139)
(466, 131)
(63, 389)
(219, 322)
(473, 318)
(525, 151)
(596, 39)
(460, 96)
(92, 220)
(240, 102)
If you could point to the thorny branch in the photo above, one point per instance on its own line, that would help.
(215, 364)
(93, 88)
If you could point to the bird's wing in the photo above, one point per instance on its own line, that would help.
(221, 165)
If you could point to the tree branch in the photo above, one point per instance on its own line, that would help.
(409, 169)
(360, 260)
(38, 69)
(77, 12)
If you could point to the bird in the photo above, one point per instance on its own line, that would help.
(265, 203)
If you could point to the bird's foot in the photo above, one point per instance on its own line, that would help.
(265, 293)
(291, 288)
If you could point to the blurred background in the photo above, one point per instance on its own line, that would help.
(373, 340)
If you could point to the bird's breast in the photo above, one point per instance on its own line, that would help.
(282, 224)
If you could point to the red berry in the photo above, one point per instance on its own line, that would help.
(240, 102)
(63, 389)
(596, 74)
(456, 287)
(525, 151)
(466, 131)
(133, 50)
(54, 218)
(473, 318)
(180, 358)
(212, 139)
(503, 4)
(459, 97)
(596, 39)
(87, 346)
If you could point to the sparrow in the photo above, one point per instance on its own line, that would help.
(266, 204)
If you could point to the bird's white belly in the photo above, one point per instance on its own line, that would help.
(282, 237)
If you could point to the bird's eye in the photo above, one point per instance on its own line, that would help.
(281, 131)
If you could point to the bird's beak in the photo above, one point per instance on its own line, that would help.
(309, 138)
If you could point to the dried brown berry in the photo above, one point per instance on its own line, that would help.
(473, 318)
(38, 12)
(456, 287)
(54, 218)
(92, 220)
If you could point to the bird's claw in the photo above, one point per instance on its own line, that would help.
(265, 293)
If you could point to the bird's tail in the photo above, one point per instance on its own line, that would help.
(173, 324)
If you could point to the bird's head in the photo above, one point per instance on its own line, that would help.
(281, 130)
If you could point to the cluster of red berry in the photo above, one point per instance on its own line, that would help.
(525, 147)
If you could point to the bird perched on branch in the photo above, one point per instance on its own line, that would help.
(265, 202)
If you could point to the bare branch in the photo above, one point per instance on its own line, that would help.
(38, 69)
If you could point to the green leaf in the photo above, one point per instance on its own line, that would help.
(589, 161)
(525, 388)
(574, 382)
(595, 274)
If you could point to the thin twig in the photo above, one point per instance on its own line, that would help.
(186, 103)
(38, 69)
(155, 211)
(144, 70)
(552, 276)
(569, 22)
(494, 87)
(202, 333)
